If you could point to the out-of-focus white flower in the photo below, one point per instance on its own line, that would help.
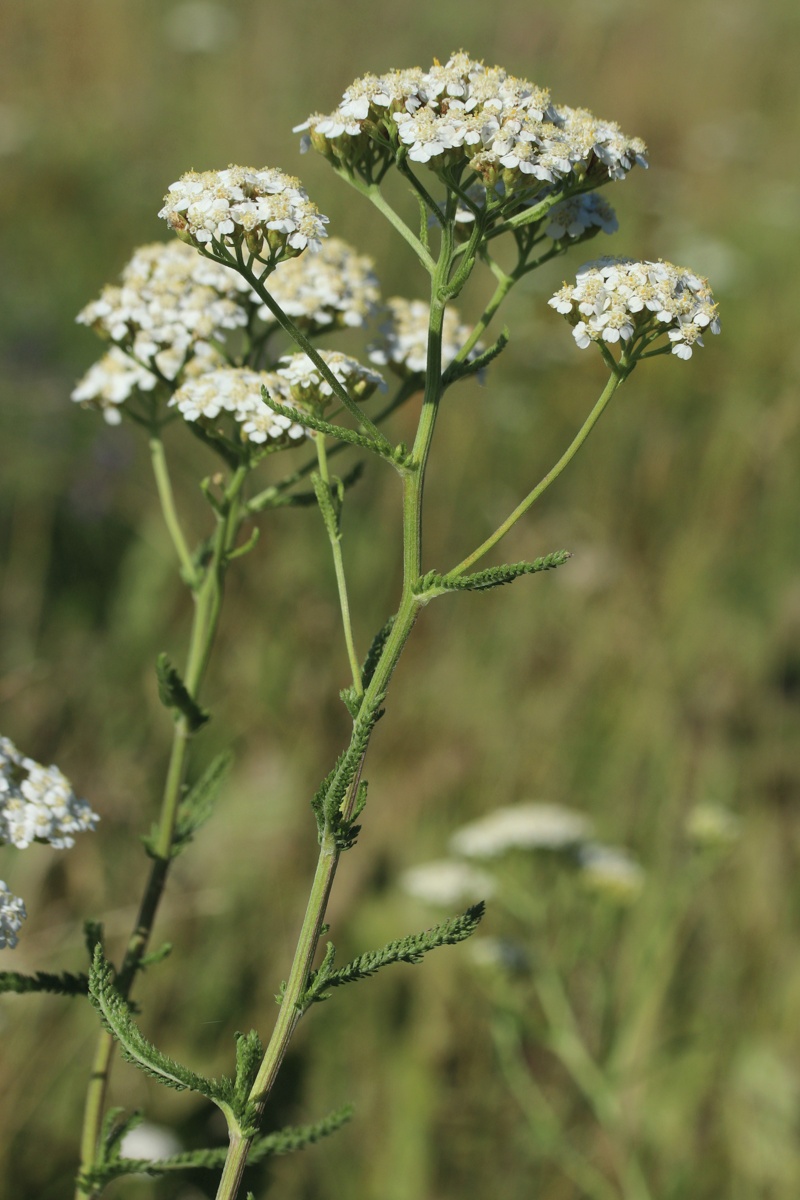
(200, 27)
(269, 209)
(521, 827)
(171, 301)
(610, 871)
(12, 914)
(237, 390)
(578, 215)
(617, 299)
(150, 1143)
(334, 287)
(37, 804)
(494, 952)
(447, 882)
(712, 827)
(403, 341)
(110, 382)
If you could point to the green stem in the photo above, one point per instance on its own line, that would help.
(341, 582)
(208, 596)
(373, 193)
(164, 486)
(291, 1008)
(308, 348)
(566, 458)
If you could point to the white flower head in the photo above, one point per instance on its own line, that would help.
(619, 299)
(447, 882)
(237, 391)
(218, 209)
(110, 382)
(37, 804)
(403, 341)
(12, 914)
(712, 827)
(336, 287)
(309, 387)
(549, 827)
(611, 872)
(464, 113)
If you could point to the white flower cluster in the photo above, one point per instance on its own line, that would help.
(309, 388)
(268, 208)
(169, 301)
(617, 299)
(505, 127)
(552, 829)
(37, 804)
(521, 827)
(448, 883)
(110, 382)
(237, 390)
(578, 215)
(12, 914)
(403, 341)
(335, 287)
(610, 872)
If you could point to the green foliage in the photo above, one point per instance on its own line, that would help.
(464, 370)
(331, 793)
(198, 804)
(308, 421)
(65, 984)
(117, 1018)
(410, 949)
(433, 584)
(282, 1141)
(173, 693)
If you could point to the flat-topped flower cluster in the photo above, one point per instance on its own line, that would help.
(619, 300)
(37, 804)
(270, 210)
(463, 113)
(297, 383)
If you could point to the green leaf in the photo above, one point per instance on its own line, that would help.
(65, 984)
(282, 1141)
(340, 432)
(117, 1018)
(480, 362)
(327, 801)
(411, 949)
(198, 803)
(329, 500)
(173, 693)
(433, 584)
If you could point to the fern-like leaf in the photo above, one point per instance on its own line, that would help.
(411, 949)
(65, 984)
(433, 584)
(198, 804)
(474, 366)
(270, 1145)
(340, 432)
(117, 1018)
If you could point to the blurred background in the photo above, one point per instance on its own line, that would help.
(658, 670)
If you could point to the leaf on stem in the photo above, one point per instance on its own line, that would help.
(197, 805)
(65, 984)
(409, 949)
(173, 693)
(428, 586)
(474, 366)
(340, 432)
(117, 1018)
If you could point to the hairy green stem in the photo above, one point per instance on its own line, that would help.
(566, 458)
(413, 472)
(208, 597)
(164, 486)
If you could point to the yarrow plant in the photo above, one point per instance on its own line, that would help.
(219, 332)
